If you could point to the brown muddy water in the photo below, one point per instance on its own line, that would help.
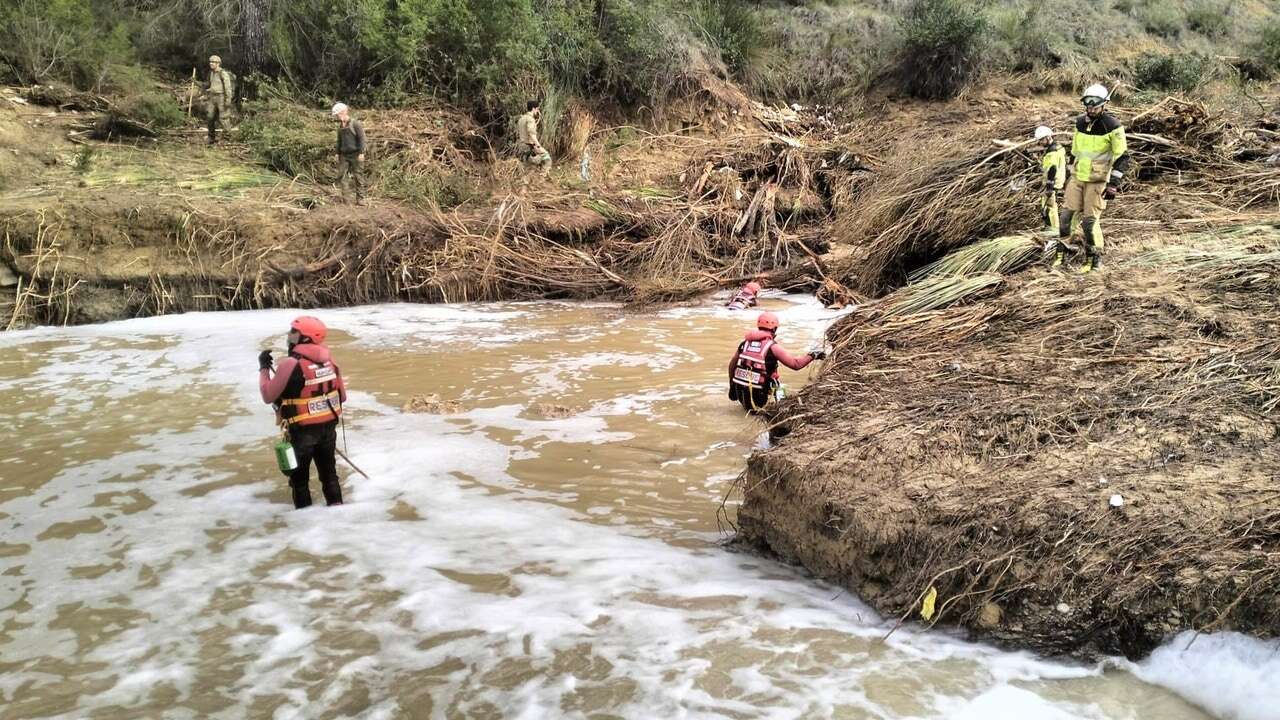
(550, 550)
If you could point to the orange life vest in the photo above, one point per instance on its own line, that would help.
(318, 401)
(755, 372)
(743, 300)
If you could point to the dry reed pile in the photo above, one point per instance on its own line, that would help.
(969, 441)
(932, 197)
(734, 221)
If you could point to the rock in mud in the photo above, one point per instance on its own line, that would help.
(551, 411)
(432, 405)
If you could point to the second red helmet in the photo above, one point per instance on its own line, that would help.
(310, 328)
(767, 321)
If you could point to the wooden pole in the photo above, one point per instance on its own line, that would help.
(191, 96)
(353, 465)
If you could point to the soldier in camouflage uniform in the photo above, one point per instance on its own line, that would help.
(218, 92)
(528, 146)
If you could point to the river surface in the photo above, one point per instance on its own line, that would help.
(551, 549)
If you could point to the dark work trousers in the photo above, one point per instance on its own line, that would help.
(318, 443)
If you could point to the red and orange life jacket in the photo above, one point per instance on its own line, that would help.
(312, 396)
(743, 300)
(755, 367)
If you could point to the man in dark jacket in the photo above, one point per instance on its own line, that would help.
(350, 151)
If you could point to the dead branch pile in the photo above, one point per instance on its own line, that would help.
(932, 197)
(66, 98)
(1082, 469)
(425, 138)
(640, 246)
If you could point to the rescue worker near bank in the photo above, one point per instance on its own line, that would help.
(530, 148)
(753, 371)
(1101, 159)
(746, 297)
(351, 146)
(1053, 176)
(218, 93)
(308, 392)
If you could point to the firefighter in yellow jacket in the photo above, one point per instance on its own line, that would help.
(1101, 159)
(1053, 176)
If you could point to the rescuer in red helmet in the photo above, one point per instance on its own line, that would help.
(308, 392)
(746, 297)
(753, 371)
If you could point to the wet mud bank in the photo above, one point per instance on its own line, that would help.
(1077, 467)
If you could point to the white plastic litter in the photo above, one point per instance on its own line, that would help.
(1117, 501)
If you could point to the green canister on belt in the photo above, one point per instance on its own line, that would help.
(285, 457)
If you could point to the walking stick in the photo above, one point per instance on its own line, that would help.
(353, 465)
(191, 96)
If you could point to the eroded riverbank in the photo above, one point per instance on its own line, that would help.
(497, 564)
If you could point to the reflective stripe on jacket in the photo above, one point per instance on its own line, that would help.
(754, 367)
(1053, 167)
(314, 391)
(743, 300)
(1099, 149)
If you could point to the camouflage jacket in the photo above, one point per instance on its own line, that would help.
(222, 82)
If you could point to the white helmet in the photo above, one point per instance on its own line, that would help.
(339, 108)
(1043, 132)
(1096, 91)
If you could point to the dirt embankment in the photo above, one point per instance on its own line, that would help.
(963, 444)
(1078, 467)
(1077, 464)
(96, 231)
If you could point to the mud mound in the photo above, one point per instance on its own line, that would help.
(974, 450)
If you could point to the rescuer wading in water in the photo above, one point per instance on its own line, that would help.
(308, 392)
(745, 298)
(753, 371)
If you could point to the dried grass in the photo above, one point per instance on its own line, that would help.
(989, 424)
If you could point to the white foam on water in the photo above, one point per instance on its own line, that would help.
(500, 595)
(1231, 675)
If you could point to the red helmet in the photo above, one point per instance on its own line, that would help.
(310, 328)
(753, 286)
(767, 321)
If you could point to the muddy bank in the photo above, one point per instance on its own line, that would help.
(1077, 466)
(103, 231)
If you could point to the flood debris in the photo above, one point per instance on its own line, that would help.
(432, 405)
(552, 411)
(954, 439)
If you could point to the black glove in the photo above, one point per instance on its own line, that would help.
(264, 360)
(818, 354)
(1111, 192)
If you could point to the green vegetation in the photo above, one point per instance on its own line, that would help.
(490, 56)
(1209, 19)
(1172, 71)
(1024, 36)
(948, 38)
(1161, 19)
(296, 144)
(1264, 53)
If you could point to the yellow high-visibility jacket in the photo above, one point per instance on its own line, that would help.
(1053, 167)
(1099, 148)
